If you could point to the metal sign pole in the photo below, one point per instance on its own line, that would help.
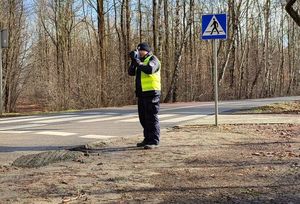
(214, 27)
(1, 91)
(215, 45)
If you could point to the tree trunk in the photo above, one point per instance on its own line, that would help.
(101, 36)
(154, 24)
(172, 93)
(140, 21)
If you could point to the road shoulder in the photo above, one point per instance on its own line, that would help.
(195, 163)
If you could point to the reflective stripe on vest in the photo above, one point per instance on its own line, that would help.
(150, 82)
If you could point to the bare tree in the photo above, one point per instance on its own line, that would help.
(77, 54)
(179, 46)
(102, 60)
(15, 67)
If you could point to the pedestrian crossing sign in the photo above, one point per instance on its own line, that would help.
(214, 26)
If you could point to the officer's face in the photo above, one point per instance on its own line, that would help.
(142, 53)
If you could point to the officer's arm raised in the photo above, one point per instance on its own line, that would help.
(152, 66)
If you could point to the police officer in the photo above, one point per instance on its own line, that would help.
(146, 69)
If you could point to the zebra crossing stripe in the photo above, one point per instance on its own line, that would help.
(16, 120)
(136, 119)
(97, 136)
(54, 133)
(108, 118)
(181, 119)
(21, 127)
(17, 117)
(72, 118)
(15, 131)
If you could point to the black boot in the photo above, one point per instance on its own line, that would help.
(141, 144)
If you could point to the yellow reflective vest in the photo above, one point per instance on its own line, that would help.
(150, 82)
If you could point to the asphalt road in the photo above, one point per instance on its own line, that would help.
(56, 131)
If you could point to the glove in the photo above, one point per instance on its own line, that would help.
(133, 55)
(138, 61)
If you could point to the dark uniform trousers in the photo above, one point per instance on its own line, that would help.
(148, 108)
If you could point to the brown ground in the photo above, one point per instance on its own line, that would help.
(195, 164)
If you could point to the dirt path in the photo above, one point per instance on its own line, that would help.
(195, 164)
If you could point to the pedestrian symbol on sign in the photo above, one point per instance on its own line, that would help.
(214, 26)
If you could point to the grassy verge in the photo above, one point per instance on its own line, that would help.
(277, 108)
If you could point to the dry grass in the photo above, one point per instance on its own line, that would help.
(278, 108)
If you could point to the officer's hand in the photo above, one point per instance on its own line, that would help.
(132, 55)
(138, 61)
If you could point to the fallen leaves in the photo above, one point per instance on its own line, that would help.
(4, 169)
(70, 199)
(280, 154)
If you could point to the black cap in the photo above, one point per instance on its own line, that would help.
(144, 46)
